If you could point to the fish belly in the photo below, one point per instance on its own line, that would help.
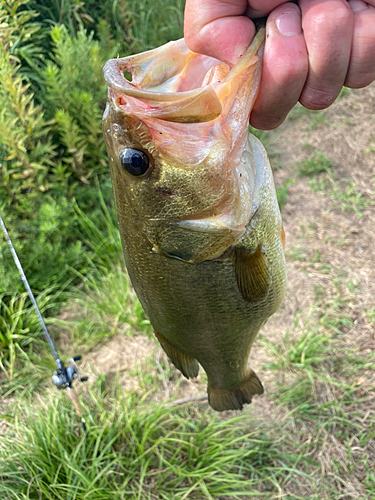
(199, 313)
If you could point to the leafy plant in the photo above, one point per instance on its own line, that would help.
(26, 148)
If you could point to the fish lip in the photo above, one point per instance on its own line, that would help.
(113, 75)
(179, 107)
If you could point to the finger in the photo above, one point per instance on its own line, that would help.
(261, 8)
(285, 68)
(361, 70)
(218, 28)
(328, 29)
(222, 28)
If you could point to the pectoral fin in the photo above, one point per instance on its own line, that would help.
(253, 277)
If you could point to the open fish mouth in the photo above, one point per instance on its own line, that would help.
(175, 84)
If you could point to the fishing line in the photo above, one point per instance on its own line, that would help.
(63, 377)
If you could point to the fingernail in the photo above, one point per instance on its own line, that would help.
(289, 23)
(357, 5)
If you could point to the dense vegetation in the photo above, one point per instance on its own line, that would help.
(310, 437)
(55, 191)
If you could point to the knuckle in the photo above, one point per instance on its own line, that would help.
(192, 41)
(336, 16)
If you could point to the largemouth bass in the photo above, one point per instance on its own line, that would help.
(197, 210)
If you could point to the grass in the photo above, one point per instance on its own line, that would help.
(282, 193)
(145, 452)
(314, 164)
(310, 437)
(99, 252)
(315, 118)
(103, 307)
(303, 351)
(346, 195)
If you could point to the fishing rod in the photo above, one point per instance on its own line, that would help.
(63, 376)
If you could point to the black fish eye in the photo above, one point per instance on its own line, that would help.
(134, 161)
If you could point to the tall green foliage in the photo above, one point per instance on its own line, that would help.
(26, 149)
(61, 135)
(52, 96)
(75, 94)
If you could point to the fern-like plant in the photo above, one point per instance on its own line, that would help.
(26, 148)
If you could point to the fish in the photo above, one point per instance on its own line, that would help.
(196, 206)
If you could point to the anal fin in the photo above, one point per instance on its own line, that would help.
(253, 277)
(188, 366)
(234, 399)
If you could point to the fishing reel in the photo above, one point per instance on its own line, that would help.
(63, 377)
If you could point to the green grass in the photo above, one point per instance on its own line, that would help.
(317, 119)
(134, 450)
(314, 164)
(349, 197)
(105, 306)
(371, 315)
(282, 193)
(303, 351)
(346, 195)
(95, 251)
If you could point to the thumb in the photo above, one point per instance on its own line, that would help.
(218, 28)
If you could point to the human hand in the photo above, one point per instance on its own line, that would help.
(313, 48)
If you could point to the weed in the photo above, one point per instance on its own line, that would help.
(346, 194)
(349, 197)
(317, 119)
(319, 184)
(314, 164)
(306, 349)
(282, 193)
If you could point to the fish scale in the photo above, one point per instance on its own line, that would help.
(200, 226)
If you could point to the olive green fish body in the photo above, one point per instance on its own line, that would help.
(201, 229)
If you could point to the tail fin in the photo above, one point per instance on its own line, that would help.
(234, 399)
(187, 365)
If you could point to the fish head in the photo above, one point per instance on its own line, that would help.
(175, 134)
